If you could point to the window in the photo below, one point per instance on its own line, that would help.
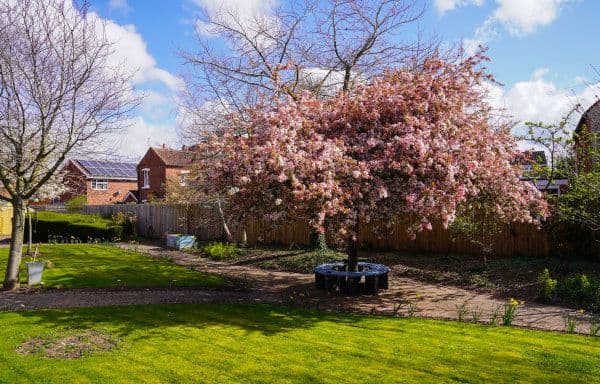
(145, 178)
(183, 178)
(100, 184)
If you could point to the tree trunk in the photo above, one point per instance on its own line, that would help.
(226, 230)
(352, 250)
(318, 241)
(347, 74)
(11, 278)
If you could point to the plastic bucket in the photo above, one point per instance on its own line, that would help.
(34, 272)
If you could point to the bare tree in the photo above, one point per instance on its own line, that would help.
(58, 94)
(322, 47)
(188, 192)
(317, 46)
(358, 38)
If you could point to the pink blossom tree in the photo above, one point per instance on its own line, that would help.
(412, 144)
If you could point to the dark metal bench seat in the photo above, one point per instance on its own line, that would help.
(334, 277)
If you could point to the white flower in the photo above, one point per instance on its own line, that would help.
(383, 193)
(233, 191)
(278, 201)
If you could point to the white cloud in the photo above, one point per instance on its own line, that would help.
(246, 8)
(540, 73)
(141, 135)
(246, 13)
(521, 17)
(131, 50)
(518, 17)
(539, 99)
(119, 5)
(483, 34)
(448, 5)
(155, 118)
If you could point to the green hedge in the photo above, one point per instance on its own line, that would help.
(70, 227)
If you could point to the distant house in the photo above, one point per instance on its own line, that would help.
(161, 166)
(539, 177)
(132, 197)
(531, 159)
(586, 137)
(101, 182)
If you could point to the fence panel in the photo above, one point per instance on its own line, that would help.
(156, 220)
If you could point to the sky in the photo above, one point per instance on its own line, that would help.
(543, 52)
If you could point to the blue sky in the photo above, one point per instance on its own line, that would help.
(542, 51)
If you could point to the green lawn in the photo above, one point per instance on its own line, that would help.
(88, 265)
(265, 344)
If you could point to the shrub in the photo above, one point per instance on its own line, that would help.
(69, 227)
(572, 239)
(76, 204)
(575, 287)
(127, 221)
(580, 289)
(221, 251)
(547, 285)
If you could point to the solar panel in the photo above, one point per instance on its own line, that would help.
(109, 169)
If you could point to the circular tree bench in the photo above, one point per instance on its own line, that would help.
(334, 277)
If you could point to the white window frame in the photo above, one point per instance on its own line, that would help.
(183, 178)
(100, 184)
(145, 178)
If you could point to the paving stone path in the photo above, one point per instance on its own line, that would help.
(276, 287)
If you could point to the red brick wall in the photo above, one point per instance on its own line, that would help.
(157, 177)
(160, 175)
(78, 186)
(116, 192)
(174, 174)
(75, 181)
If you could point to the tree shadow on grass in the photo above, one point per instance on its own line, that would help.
(121, 277)
(145, 321)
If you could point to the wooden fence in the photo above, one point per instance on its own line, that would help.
(155, 220)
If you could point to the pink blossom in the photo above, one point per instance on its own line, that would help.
(411, 144)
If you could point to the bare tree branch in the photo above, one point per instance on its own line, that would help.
(58, 94)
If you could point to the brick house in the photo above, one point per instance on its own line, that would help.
(532, 158)
(101, 182)
(539, 176)
(161, 166)
(586, 138)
